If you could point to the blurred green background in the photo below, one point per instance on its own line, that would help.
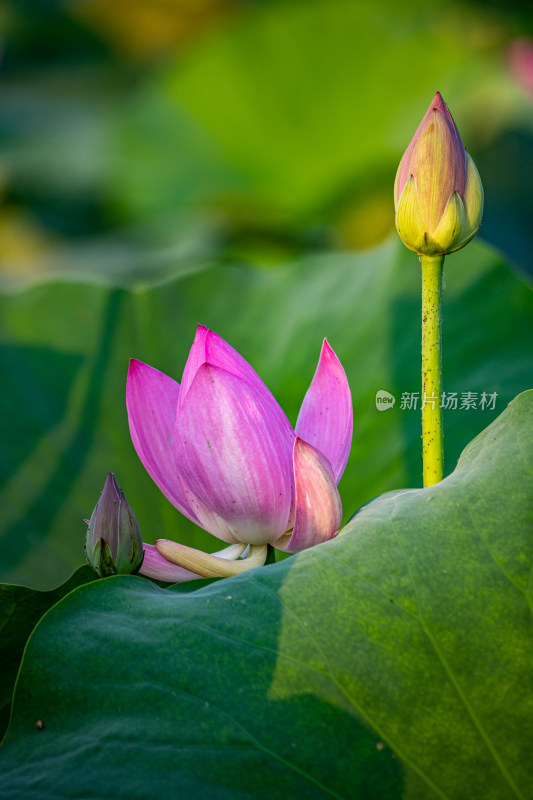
(141, 135)
(163, 161)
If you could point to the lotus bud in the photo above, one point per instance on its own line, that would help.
(438, 194)
(114, 544)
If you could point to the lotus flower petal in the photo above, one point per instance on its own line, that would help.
(473, 199)
(209, 348)
(155, 566)
(233, 454)
(409, 220)
(318, 504)
(452, 224)
(151, 400)
(195, 360)
(209, 520)
(326, 415)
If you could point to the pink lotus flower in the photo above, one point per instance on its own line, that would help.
(223, 452)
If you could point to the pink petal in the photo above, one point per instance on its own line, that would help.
(234, 455)
(326, 415)
(209, 520)
(151, 399)
(195, 360)
(208, 347)
(318, 504)
(155, 566)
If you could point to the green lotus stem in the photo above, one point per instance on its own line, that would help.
(438, 200)
(432, 449)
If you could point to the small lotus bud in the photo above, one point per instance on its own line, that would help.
(438, 194)
(114, 543)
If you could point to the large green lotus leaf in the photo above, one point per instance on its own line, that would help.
(391, 662)
(21, 609)
(63, 368)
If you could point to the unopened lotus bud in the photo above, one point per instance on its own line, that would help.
(114, 544)
(438, 194)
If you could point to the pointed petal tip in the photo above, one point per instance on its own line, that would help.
(327, 349)
(327, 352)
(201, 334)
(111, 485)
(196, 357)
(301, 448)
(137, 367)
(134, 365)
(329, 358)
(438, 104)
